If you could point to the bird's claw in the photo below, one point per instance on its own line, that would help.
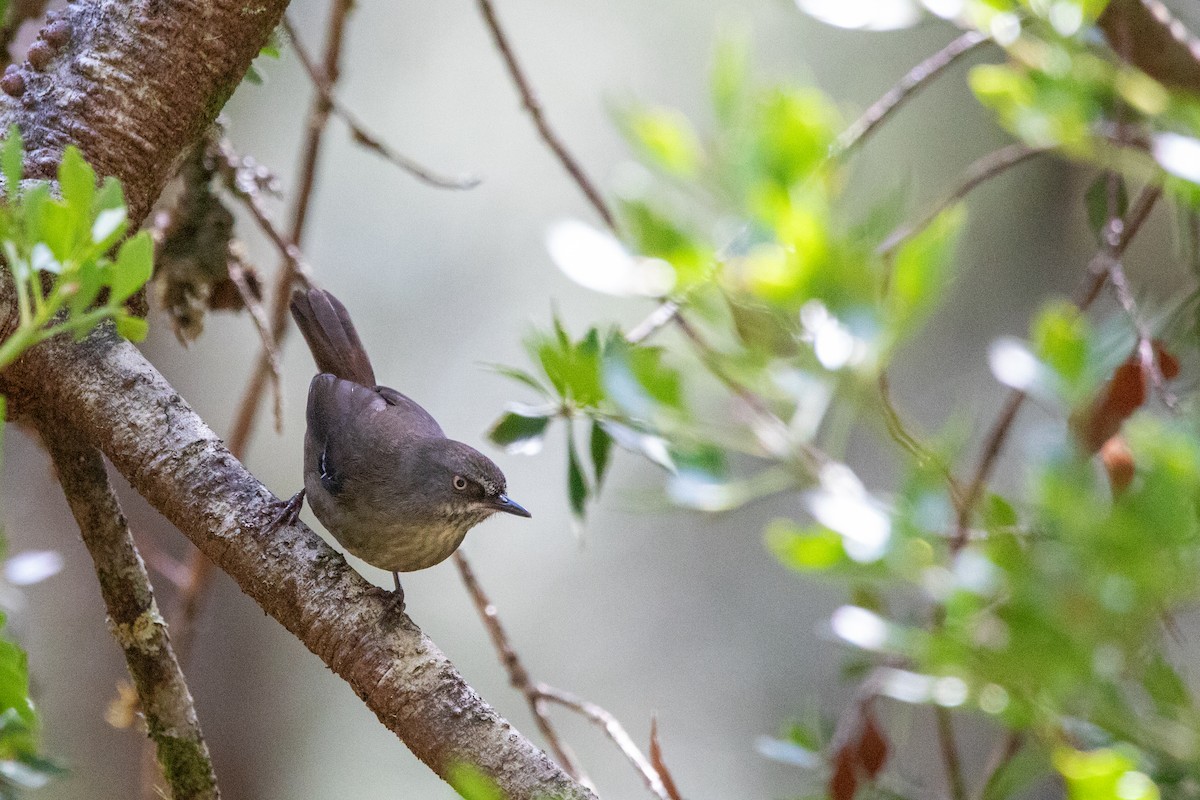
(289, 514)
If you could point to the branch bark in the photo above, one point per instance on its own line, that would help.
(133, 616)
(136, 83)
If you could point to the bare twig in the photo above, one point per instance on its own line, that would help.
(229, 165)
(663, 315)
(530, 101)
(517, 673)
(615, 731)
(1006, 749)
(908, 86)
(133, 616)
(980, 171)
(656, 758)
(1097, 275)
(950, 759)
(538, 694)
(364, 137)
(237, 274)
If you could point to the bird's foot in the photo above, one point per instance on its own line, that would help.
(398, 593)
(289, 514)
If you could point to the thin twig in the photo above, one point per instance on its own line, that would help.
(237, 274)
(908, 86)
(162, 691)
(229, 163)
(615, 731)
(359, 131)
(517, 674)
(1097, 275)
(659, 317)
(1006, 749)
(980, 171)
(950, 759)
(530, 101)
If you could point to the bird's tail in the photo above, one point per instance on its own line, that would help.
(331, 337)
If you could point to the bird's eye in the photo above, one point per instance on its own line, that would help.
(460, 482)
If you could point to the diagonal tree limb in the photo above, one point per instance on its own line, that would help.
(133, 616)
(103, 389)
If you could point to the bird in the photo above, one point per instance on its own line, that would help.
(379, 472)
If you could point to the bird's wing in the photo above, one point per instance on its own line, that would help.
(406, 416)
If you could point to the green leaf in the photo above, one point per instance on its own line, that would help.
(1165, 687)
(519, 432)
(652, 447)
(811, 549)
(730, 78)
(1060, 339)
(998, 513)
(12, 156)
(920, 272)
(110, 196)
(472, 784)
(133, 267)
(108, 227)
(77, 181)
(132, 328)
(521, 376)
(1017, 774)
(55, 224)
(577, 488)
(666, 139)
(601, 447)
(89, 280)
(1102, 774)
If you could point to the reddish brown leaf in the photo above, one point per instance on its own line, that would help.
(843, 783)
(656, 760)
(1168, 364)
(1118, 463)
(1144, 33)
(872, 746)
(1119, 398)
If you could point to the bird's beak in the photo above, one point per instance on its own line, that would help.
(509, 506)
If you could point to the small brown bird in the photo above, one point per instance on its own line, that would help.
(379, 473)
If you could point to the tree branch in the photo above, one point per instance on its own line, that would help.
(133, 617)
(117, 401)
(530, 101)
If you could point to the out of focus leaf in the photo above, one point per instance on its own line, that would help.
(920, 272)
(577, 488)
(1029, 765)
(519, 432)
(1060, 340)
(600, 444)
(666, 138)
(1102, 774)
(811, 549)
(12, 156)
(471, 784)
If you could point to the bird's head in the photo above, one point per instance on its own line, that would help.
(462, 483)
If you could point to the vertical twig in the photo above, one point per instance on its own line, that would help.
(530, 101)
(950, 759)
(133, 617)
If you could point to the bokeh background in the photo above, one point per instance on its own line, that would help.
(649, 612)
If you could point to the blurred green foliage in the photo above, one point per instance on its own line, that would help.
(1042, 609)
